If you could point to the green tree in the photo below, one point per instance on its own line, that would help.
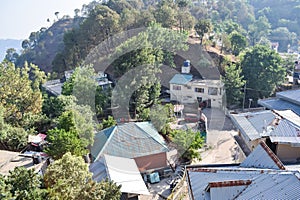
(161, 115)
(82, 85)
(4, 189)
(102, 100)
(144, 82)
(82, 121)
(259, 29)
(233, 82)
(226, 44)
(11, 138)
(105, 190)
(166, 14)
(11, 55)
(74, 132)
(262, 69)
(109, 122)
(284, 37)
(53, 107)
(100, 23)
(203, 27)
(25, 184)
(238, 42)
(188, 143)
(20, 95)
(69, 178)
(62, 141)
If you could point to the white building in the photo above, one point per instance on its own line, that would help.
(186, 89)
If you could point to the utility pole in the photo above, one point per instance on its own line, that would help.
(244, 96)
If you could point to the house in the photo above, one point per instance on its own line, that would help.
(139, 141)
(123, 171)
(30, 160)
(54, 87)
(186, 89)
(279, 129)
(289, 99)
(261, 176)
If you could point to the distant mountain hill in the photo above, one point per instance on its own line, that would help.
(47, 44)
(9, 43)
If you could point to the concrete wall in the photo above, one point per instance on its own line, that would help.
(251, 144)
(287, 153)
(188, 94)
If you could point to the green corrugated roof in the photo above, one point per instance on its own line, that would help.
(129, 140)
(100, 140)
(181, 79)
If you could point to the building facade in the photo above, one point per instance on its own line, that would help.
(186, 89)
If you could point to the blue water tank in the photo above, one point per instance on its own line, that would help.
(154, 177)
(186, 63)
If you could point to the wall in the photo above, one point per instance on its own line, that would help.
(251, 144)
(187, 94)
(287, 153)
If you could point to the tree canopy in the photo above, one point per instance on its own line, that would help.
(21, 183)
(233, 82)
(188, 143)
(69, 178)
(262, 70)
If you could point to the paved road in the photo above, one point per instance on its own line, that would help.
(220, 140)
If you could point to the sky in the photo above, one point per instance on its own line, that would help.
(18, 18)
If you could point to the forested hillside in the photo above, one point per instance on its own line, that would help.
(284, 17)
(230, 26)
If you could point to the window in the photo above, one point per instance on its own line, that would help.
(200, 90)
(212, 91)
(176, 87)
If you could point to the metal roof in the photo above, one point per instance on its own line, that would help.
(54, 87)
(123, 171)
(290, 95)
(251, 125)
(129, 140)
(262, 157)
(282, 185)
(98, 169)
(279, 104)
(262, 184)
(289, 115)
(181, 79)
(260, 176)
(286, 132)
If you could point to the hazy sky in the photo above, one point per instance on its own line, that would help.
(18, 18)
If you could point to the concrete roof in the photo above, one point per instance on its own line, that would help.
(123, 171)
(129, 140)
(10, 160)
(245, 181)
